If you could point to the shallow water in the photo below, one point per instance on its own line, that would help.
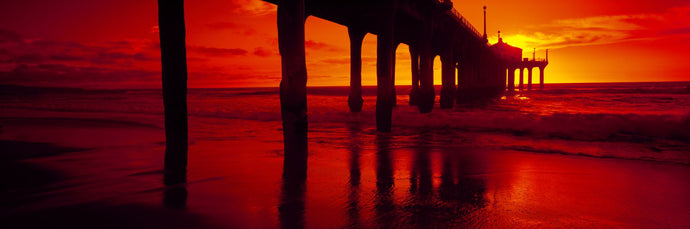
(505, 165)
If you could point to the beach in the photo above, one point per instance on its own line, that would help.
(575, 156)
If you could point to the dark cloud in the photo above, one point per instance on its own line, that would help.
(114, 56)
(346, 60)
(310, 44)
(222, 25)
(9, 36)
(66, 57)
(337, 61)
(252, 7)
(679, 31)
(51, 44)
(219, 52)
(75, 76)
(68, 63)
(315, 45)
(236, 28)
(28, 58)
(263, 52)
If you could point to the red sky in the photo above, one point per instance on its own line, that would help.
(233, 43)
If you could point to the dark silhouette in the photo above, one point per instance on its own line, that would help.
(448, 79)
(425, 100)
(384, 206)
(174, 77)
(355, 101)
(384, 66)
(529, 78)
(355, 148)
(293, 86)
(175, 196)
(521, 84)
(414, 92)
(420, 175)
(457, 186)
(293, 104)
(421, 183)
(511, 56)
(429, 28)
(291, 208)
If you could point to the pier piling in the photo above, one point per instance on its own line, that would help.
(529, 78)
(174, 79)
(414, 92)
(384, 70)
(425, 101)
(293, 93)
(541, 77)
(354, 100)
(448, 80)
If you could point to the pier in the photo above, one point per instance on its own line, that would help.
(513, 60)
(472, 69)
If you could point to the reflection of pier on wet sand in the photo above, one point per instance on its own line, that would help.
(356, 176)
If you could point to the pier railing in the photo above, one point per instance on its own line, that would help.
(464, 23)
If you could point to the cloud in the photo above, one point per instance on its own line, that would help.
(222, 25)
(346, 60)
(600, 30)
(218, 52)
(66, 57)
(255, 7)
(73, 64)
(9, 36)
(315, 45)
(263, 52)
(234, 27)
(679, 31)
(28, 58)
(64, 75)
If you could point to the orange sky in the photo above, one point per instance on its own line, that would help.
(233, 43)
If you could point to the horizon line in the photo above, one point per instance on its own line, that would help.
(313, 86)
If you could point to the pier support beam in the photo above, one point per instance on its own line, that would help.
(511, 79)
(521, 86)
(541, 77)
(498, 75)
(384, 69)
(448, 80)
(174, 78)
(469, 76)
(293, 87)
(529, 78)
(414, 56)
(426, 69)
(354, 100)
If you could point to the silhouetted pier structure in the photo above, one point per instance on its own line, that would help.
(429, 27)
(512, 58)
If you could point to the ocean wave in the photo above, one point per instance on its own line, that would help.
(661, 123)
(619, 88)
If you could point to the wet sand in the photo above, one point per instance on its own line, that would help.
(90, 173)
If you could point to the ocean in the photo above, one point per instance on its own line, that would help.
(570, 155)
